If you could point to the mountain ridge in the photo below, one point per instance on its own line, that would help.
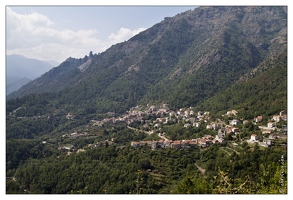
(181, 60)
(26, 69)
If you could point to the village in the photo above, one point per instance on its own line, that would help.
(189, 118)
(151, 119)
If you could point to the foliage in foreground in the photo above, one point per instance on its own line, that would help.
(126, 170)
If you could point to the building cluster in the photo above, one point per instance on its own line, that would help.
(135, 114)
(152, 117)
(162, 115)
(265, 143)
(205, 141)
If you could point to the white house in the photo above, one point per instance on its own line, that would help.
(271, 125)
(234, 122)
(209, 126)
(254, 137)
(268, 142)
(196, 124)
(157, 125)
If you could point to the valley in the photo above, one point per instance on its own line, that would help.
(196, 104)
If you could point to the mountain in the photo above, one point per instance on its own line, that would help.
(25, 69)
(18, 65)
(13, 83)
(263, 93)
(183, 60)
(51, 62)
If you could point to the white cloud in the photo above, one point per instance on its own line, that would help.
(124, 34)
(33, 35)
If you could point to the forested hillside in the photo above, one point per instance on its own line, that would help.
(264, 93)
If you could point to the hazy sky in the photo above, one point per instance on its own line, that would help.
(58, 32)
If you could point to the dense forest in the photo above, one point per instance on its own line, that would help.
(126, 170)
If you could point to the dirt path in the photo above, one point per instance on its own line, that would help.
(135, 129)
(202, 170)
(163, 137)
(233, 150)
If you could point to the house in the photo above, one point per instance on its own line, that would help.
(206, 113)
(277, 118)
(176, 144)
(258, 119)
(272, 137)
(219, 140)
(245, 122)
(199, 113)
(266, 131)
(167, 143)
(146, 126)
(235, 130)
(234, 122)
(148, 143)
(186, 113)
(208, 137)
(172, 114)
(209, 126)
(157, 125)
(193, 143)
(254, 137)
(159, 119)
(283, 113)
(191, 120)
(161, 143)
(196, 124)
(185, 144)
(228, 129)
(221, 133)
(271, 125)
(154, 144)
(203, 142)
(229, 113)
(187, 125)
(216, 126)
(268, 142)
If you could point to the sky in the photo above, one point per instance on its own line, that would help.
(58, 32)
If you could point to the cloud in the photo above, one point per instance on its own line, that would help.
(33, 35)
(124, 34)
